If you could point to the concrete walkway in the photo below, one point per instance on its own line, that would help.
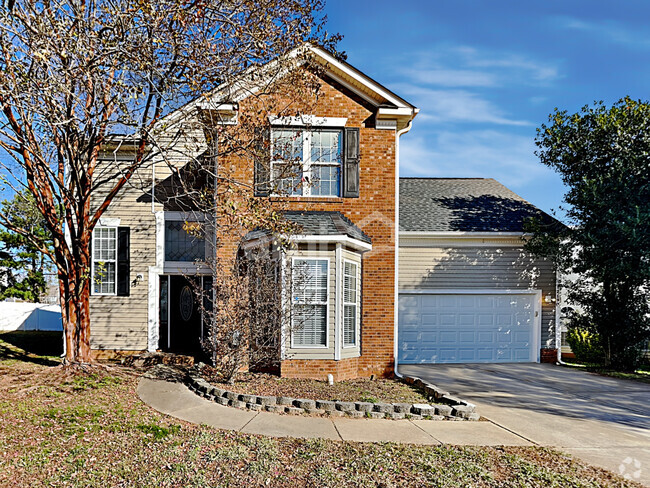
(603, 421)
(177, 400)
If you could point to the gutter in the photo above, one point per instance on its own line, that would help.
(398, 134)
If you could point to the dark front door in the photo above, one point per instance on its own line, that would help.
(184, 316)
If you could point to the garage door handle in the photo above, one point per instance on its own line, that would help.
(536, 313)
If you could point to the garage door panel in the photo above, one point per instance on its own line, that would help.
(467, 337)
(459, 328)
(467, 355)
(429, 319)
(485, 337)
(448, 336)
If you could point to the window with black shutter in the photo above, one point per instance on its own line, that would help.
(123, 261)
(351, 163)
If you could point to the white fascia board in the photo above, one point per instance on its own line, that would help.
(454, 234)
(365, 81)
(395, 112)
(217, 106)
(308, 120)
(335, 239)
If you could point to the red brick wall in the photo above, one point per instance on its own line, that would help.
(318, 369)
(373, 212)
(548, 355)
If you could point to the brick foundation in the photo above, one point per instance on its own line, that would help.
(548, 356)
(318, 369)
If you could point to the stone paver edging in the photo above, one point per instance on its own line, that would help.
(447, 407)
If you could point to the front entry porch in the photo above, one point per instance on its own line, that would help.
(181, 319)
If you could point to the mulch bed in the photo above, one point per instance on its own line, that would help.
(359, 390)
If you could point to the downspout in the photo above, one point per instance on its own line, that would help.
(398, 134)
(558, 325)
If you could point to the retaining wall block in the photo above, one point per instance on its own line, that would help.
(237, 404)
(305, 403)
(345, 406)
(443, 409)
(364, 406)
(422, 409)
(248, 398)
(402, 407)
(326, 405)
(285, 400)
(294, 410)
(232, 396)
(266, 400)
(383, 408)
(451, 400)
(375, 415)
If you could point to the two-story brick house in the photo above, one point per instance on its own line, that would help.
(345, 142)
(468, 290)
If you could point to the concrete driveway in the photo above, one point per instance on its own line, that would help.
(603, 421)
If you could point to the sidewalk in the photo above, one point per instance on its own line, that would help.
(176, 400)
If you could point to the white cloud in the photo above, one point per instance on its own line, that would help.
(507, 157)
(452, 77)
(607, 30)
(464, 66)
(446, 106)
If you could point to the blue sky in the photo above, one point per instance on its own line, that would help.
(486, 74)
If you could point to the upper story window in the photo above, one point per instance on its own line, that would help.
(184, 241)
(306, 162)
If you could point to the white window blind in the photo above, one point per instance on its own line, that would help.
(350, 303)
(310, 302)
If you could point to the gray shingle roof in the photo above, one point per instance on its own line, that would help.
(463, 205)
(319, 223)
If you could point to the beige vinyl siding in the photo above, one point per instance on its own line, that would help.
(470, 264)
(121, 322)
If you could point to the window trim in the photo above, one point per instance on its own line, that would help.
(93, 260)
(307, 163)
(356, 304)
(327, 303)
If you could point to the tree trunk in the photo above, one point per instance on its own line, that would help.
(74, 290)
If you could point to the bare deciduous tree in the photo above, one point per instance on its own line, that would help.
(73, 73)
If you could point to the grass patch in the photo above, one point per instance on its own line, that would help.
(642, 374)
(103, 435)
(158, 432)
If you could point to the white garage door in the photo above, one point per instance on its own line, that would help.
(468, 328)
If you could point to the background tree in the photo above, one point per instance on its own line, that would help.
(72, 73)
(603, 156)
(22, 261)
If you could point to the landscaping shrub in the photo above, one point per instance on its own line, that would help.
(586, 346)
